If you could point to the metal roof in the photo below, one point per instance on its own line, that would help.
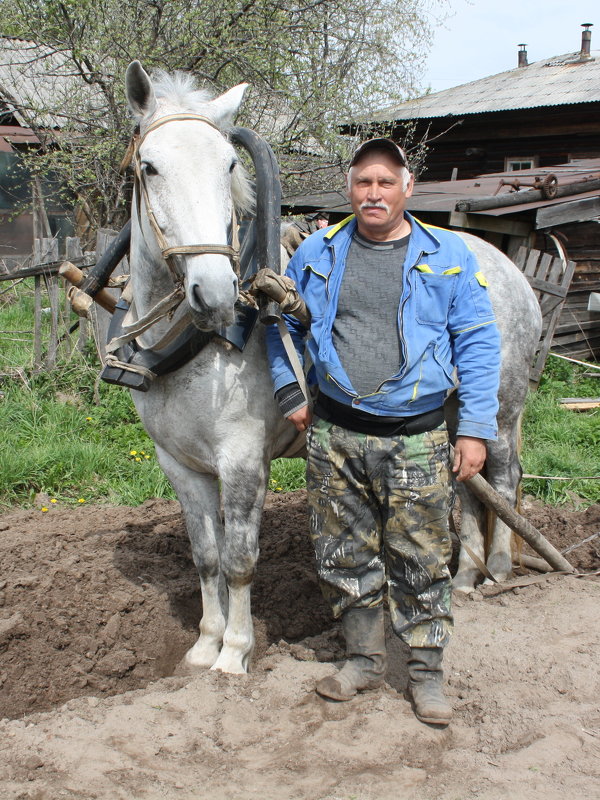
(35, 78)
(443, 195)
(556, 81)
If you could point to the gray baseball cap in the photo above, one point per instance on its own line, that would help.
(379, 144)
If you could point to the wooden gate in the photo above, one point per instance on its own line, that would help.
(550, 278)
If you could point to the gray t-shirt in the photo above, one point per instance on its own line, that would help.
(365, 331)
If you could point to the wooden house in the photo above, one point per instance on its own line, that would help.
(33, 78)
(534, 115)
(514, 158)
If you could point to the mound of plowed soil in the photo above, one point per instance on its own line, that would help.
(97, 601)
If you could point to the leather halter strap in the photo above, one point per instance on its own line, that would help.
(231, 251)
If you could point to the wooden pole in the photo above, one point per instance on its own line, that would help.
(50, 252)
(75, 276)
(521, 526)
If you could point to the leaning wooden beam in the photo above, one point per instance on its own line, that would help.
(521, 526)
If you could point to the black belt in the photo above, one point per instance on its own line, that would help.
(361, 422)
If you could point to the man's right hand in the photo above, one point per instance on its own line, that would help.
(301, 418)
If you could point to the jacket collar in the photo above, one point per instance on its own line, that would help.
(422, 235)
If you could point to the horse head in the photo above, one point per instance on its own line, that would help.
(188, 184)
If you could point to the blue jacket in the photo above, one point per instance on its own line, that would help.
(445, 320)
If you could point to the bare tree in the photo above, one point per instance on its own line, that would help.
(312, 64)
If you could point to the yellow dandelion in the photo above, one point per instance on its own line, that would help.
(88, 419)
(44, 508)
(138, 458)
(81, 500)
(146, 456)
(133, 452)
(54, 500)
(142, 453)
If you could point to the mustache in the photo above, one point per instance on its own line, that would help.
(380, 204)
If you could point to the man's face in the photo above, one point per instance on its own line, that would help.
(377, 195)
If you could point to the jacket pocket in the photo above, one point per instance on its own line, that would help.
(434, 294)
(481, 298)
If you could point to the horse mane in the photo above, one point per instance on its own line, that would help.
(180, 88)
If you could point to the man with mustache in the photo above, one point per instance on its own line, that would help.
(396, 307)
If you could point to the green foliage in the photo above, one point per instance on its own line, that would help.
(287, 475)
(311, 65)
(66, 437)
(58, 442)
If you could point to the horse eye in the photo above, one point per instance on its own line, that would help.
(233, 165)
(149, 169)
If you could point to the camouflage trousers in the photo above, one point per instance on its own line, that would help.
(378, 513)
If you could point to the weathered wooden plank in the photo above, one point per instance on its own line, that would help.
(544, 266)
(50, 250)
(574, 211)
(461, 219)
(37, 322)
(73, 253)
(546, 287)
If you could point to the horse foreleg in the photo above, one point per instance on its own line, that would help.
(199, 497)
(243, 496)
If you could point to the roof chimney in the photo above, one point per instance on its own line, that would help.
(586, 40)
(522, 56)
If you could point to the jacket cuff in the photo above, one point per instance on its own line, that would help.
(479, 430)
(290, 398)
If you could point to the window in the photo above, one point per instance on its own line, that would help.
(515, 164)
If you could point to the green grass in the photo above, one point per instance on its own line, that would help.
(559, 442)
(56, 440)
(287, 474)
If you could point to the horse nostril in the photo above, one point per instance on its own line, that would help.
(199, 299)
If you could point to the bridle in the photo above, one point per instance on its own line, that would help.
(167, 305)
(232, 251)
(261, 241)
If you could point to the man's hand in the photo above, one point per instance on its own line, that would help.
(469, 457)
(302, 418)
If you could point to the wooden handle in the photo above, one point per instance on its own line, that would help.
(75, 276)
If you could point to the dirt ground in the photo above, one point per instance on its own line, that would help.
(98, 605)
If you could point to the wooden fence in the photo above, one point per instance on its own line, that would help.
(65, 331)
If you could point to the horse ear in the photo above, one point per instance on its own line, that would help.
(226, 106)
(139, 90)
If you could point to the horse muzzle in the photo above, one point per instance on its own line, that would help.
(211, 301)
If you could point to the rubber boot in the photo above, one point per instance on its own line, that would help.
(425, 686)
(365, 647)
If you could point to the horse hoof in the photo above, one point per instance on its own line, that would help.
(462, 588)
(232, 662)
(202, 655)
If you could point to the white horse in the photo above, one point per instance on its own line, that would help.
(519, 320)
(214, 420)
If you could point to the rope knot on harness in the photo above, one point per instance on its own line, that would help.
(283, 290)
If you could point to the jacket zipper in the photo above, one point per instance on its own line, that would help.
(404, 301)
